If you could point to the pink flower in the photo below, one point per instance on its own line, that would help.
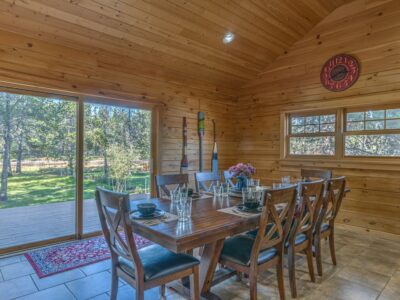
(242, 169)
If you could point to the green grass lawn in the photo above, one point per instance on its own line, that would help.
(47, 187)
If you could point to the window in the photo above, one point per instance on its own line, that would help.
(312, 134)
(374, 132)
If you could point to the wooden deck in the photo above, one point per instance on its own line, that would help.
(22, 225)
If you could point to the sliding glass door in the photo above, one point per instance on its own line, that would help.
(117, 154)
(45, 195)
(37, 168)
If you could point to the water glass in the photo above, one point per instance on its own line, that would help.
(224, 189)
(285, 180)
(217, 189)
(251, 197)
(184, 209)
(251, 182)
(276, 185)
(175, 195)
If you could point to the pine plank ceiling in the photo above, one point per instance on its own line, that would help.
(178, 40)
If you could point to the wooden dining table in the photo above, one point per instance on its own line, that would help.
(207, 227)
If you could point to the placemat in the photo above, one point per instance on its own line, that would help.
(168, 217)
(233, 210)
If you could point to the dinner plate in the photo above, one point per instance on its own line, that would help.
(137, 215)
(243, 208)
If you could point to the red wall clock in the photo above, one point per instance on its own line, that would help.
(340, 72)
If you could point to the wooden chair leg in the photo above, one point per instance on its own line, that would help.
(279, 275)
(162, 292)
(310, 262)
(139, 292)
(318, 258)
(332, 247)
(194, 284)
(253, 286)
(114, 283)
(292, 271)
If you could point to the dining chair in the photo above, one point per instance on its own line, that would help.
(144, 268)
(205, 181)
(163, 182)
(251, 255)
(300, 238)
(309, 174)
(325, 224)
(228, 176)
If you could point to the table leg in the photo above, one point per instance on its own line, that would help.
(208, 263)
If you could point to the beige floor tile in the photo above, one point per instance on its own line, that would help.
(17, 287)
(57, 279)
(17, 270)
(392, 289)
(59, 292)
(364, 277)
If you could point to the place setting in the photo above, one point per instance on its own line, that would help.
(147, 213)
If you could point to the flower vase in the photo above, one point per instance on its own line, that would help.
(241, 183)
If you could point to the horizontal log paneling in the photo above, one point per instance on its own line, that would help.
(369, 30)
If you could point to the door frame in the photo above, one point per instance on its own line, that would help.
(80, 99)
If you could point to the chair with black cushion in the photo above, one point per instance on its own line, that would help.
(310, 174)
(301, 233)
(205, 181)
(251, 255)
(325, 224)
(144, 268)
(164, 182)
(229, 178)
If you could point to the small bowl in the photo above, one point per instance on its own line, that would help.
(146, 209)
(251, 205)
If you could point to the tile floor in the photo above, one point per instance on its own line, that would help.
(368, 268)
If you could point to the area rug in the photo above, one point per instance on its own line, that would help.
(64, 257)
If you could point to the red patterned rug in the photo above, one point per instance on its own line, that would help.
(60, 258)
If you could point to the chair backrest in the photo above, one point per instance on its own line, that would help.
(332, 201)
(228, 178)
(205, 181)
(113, 209)
(277, 212)
(311, 198)
(163, 183)
(308, 174)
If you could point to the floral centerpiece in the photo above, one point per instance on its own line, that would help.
(242, 172)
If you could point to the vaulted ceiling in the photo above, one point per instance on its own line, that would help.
(179, 40)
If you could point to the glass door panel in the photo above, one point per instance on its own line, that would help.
(117, 155)
(37, 168)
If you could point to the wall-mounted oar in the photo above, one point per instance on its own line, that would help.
(184, 161)
(201, 137)
(214, 158)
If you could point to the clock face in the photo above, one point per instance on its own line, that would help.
(340, 72)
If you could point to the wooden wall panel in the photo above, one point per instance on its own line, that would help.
(370, 30)
(26, 60)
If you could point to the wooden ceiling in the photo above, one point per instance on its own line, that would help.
(177, 40)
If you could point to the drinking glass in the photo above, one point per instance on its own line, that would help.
(217, 189)
(276, 185)
(285, 180)
(250, 197)
(184, 209)
(224, 189)
(253, 182)
(175, 195)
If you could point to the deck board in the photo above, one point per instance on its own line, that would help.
(28, 224)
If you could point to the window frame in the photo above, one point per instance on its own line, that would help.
(368, 132)
(340, 134)
(288, 134)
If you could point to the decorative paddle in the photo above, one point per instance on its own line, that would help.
(201, 136)
(184, 161)
(214, 158)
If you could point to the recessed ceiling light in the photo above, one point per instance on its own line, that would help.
(228, 37)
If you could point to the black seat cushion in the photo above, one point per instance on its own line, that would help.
(301, 237)
(158, 262)
(238, 250)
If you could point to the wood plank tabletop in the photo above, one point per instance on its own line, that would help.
(207, 224)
